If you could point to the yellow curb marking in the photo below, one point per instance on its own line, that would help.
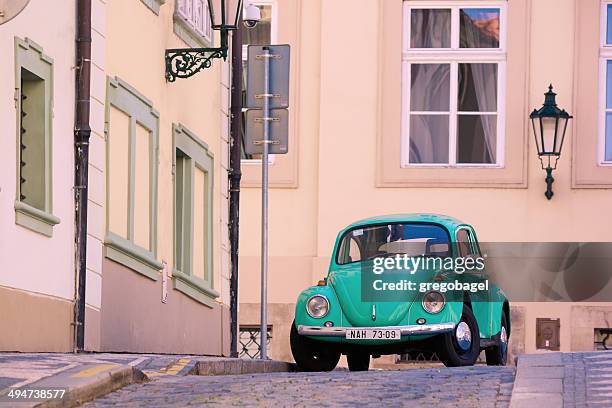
(176, 367)
(90, 372)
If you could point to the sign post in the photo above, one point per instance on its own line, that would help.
(265, 92)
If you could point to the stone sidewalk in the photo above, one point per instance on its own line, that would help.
(563, 380)
(82, 377)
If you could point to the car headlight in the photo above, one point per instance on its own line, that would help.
(317, 306)
(433, 302)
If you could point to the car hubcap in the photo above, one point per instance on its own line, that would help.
(503, 339)
(463, 334)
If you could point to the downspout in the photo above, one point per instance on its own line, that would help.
(81, 163)
(234, 181)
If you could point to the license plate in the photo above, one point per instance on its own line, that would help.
(373, 334)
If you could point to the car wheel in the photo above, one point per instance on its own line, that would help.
(498, 354)
(310, 356)
(461, 347)
(358, 361)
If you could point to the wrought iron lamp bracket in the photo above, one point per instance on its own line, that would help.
(186, 62)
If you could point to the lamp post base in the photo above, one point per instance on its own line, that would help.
(549, 182)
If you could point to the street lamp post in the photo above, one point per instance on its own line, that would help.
(186, 62)
(549, 127)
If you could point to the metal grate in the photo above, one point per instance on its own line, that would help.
(603, 339)
(250, 341)
(418, 357)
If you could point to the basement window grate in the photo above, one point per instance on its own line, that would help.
(250, 341)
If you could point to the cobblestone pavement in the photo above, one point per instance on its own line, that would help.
(587, 379)
(479, 386)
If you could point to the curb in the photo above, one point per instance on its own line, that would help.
(538, 381)
(84, 385)
(236, 366)
(90, 381)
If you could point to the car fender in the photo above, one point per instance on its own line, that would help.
(334, 315)
(499, 305)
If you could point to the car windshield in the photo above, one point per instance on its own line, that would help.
(413, 239)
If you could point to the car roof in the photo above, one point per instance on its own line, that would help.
(447, 221)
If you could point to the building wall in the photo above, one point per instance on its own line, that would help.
(37, 278)
(182, 322)
(347, 87)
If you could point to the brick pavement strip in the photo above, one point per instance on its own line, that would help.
(479, 386)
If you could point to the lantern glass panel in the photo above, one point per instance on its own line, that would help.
(562, 129)
(225, 12)
(551, 136)
(537, 133)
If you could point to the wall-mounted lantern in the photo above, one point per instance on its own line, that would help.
(186, 62)
(549, 127)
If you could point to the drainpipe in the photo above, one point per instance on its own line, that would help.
(81, 163)
(234, 181)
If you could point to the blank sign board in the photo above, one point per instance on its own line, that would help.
(279, 130)
(279, 76)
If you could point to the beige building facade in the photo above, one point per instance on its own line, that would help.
(157, 245)
(36, 196)
(164, 248)
(405, 106)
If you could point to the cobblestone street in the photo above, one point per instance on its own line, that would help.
(587, 379)
(466, 387)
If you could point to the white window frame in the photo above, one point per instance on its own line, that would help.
(273, 39)
(207, 32)
(454, 56)
(605, 55)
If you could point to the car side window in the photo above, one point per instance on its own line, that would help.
(464, 243)
(475, 245)
(350, 251)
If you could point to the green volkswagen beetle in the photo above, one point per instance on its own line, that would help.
(401, 284)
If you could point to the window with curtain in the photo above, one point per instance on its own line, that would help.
(261, 34)
(605, 139)
(453, 83)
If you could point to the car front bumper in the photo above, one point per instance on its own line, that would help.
(411, 330)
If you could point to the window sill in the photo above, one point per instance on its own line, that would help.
(154, 5)
(194, 288)
(128, 254)
(35, 219)
(190, 36)
(452, 166)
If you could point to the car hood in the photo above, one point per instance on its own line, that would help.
(347, 284)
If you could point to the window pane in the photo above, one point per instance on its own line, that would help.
(181, 244)
(199, 223)
(479, 28)
(608, 141)
(609, 85)
(198, 16)
(477, 88)
(33, 152)
(142, 183)
(118, 172)
(609, 25)
(476, 139)
(430, 87)
(430, 28)
(182, 7)
(428, 139)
